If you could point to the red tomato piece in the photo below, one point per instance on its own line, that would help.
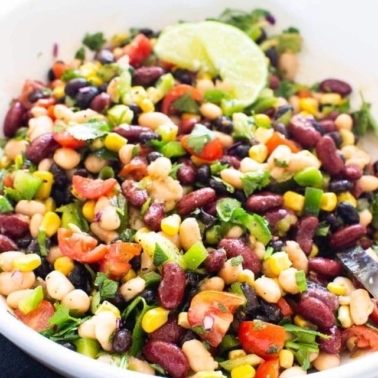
(261, 338)
(135, 170)
(80, 246)
(65, 139)
(212, 312)
(268, 369)
(37, 319)
(116, 262)
(367, 338)
(277, 139)
(284, 307)
(138, 50)
(177, 92)
(211, 151)
(92, 188)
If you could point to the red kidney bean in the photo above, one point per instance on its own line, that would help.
(352, 172)
(236, 247)
(169, 356)
(232, 160)
(153, 216)
(315, 290)
(327, 153)
(335, 86)
(194, 200)
(347, 236)
(131, 132)
(331, 345)
(13, 225)
(186, 175)
(169, 332)
(328, 125)
(100, 103)
(325, 267)
(136, 197)
(273, 216)
(274, 82)
(187, 125)
(7, 244)
(317, 312)
(147, 75)
(215, 260)
(305, 232)
(13, 119)
(172, 286)
(41, 148)
(314, 278)
(303, 132)
(260, 203)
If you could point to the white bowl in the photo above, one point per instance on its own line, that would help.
(339, 41)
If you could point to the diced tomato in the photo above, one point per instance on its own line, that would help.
(29, 86)
(37, 319)
(366, 337)
(284, 307)
(8, 181)
(261, 338)
(278, 139)
(212, 312)
(138, 50)
(135, 170)
(65, 139)
(80, 246)
(58, 69)
(116, 262)
(268, 369)
(92, 188)
(177, 92)
(45, 102)
(304, 93)
(211, 151)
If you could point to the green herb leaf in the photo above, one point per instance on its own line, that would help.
(61, 315)
(80, 54)
(286, 89)
(364, 120)
(243, 126)
(254, 180)
(236, 261)
(127, 235)
(300, 278)
(280, 163)
(217, 167)
(215, 96)
(94, 41)
(174, 169)
(199, 138)
(108, 288)
(70, 74)
(225, 208)
(89, 130)
(186, 104)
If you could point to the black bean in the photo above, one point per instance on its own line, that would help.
(184, 76)
(62, 196)
(148, 136)
(339, 186)
(33, 247)
(203, 174)
(118, 301)
(147, 32)
(122, 341)
(270, 310)
(85, 96)
(335, 135)
(188, 335)
(81, 278)
(136, 262)
(282, 129)
(242, 150)
(276, 244)
(152, 156)
(23, 242)
(105, 56)
(82, 172)
(50, 75)
(218, 186)
(59, 174)
(240, 195)
(348, 213)
(72, 86)
(250, 294)
(207, 219)
(192, 278)
(67, 345)
(282, 110)
(190, 292)
(35, 95)
(333, 221)
(44, 269)
(150, 295)
(272, 55)
(223, 124)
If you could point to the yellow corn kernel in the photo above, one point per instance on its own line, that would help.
(58, 91)
(190, 116)
(262, 120)
(27, 263)
(344, 316)
(107, 306)
(50, 204)
(89, 210)
(50, 223)
(278, 262)
(167, 132)
(64, 265)
(330, 99)
(129, 275)
(138, 93)
(293, 200)
(170, 225)
(309, 105)
(286, 358)
(262, 134)
(198, 161)
(141, 231)
(258, 152)
(243, 371)
(183, 321)
(247, 276)
(118, 39)
(347, 197)
(114, 142)
(202, 75)
(94, 79)
(236, 353)
(18, 160)
(154, 319)
(45, 190)
(89, 69)
(303, 323)
(146, 105)
(336, 288)
(5, 162)
(347, 137)
(328, 202)
(314, 251)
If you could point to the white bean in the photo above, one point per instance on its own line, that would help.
(296, 256)
(39, 126)
(67, 158)
(105, 325)
(230, 272)
(38, 111)
(267, 289)
(85, 115)
(16, 280)
(45, 164)
(30, 208)
(189, 232)
(344, 317)
(94, 163)
(132, 288)
(58, 285)
(146, 263)
(344, 121)
(153, 120)
(225, 139)
(77, 300)
(233, 177)
(367, 183)
(125, 153)
(14, 298)
(198, 356)
(213, 283)
(7, 258)
(135, 364)
(361, 306)
(109, 219)
(63, 113)
(235, 232)
(346, 282)
(54, 253)
(167, 191)
(326, 361)
(210, 110)
(87, 329)
(103, 235)
(159, 168)
(35, 224)
(249, 165)
(288, 281)
(292, 372)
(14, 148)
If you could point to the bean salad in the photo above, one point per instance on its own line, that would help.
(150, 221)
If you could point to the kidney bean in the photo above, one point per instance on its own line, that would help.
(170, 332)
(153, 216)
(169, 356)
(136, 197)
(314, 278)
(274, 82)
(194, 200)
(100, 103)
(328, 125)
(317, 312)
(260, 203)
(303, 132)
(122, 340)
(41, 147)
(147, 75)
(13, 119)
(131, 132)
(347, 236)
(325, 267)
(172, 286)
(187, 125)
(236, 247)
(186, 175)
(352, 172)
(7, 244)
(335, 86)
(331, 345)
(275, 215)
(315, 290)
(305, 232)
(13, 225)
(215, 260)
(327, 153)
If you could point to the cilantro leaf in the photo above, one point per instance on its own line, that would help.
(61, 316)
(174, 169)
(216, 96)
(199, 138)
(217, 167)
(236, 261)
(127, 235)
(186, 104)
(80, 54)
(363, 119)
(225, 208)
(107, 287)
(254, 180)
(89, 130)
(243, 126)
(94, 41)
(286, 89)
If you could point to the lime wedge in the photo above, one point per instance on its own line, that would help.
(219, 49)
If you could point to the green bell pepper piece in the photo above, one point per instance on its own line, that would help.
(26, 184)
(312, 202)
(195, 255)
(310, 176)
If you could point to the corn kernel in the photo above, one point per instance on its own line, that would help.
(185, 116)
(107, 306)
(50, 223)
(167, 132)
(344, 317)
(330, 99)
(129, 275)
(119, 39)
(5, 162)
(286, 358)
(89, 210)
(114, 142)
(170, 225)
(64, 265)
(262, 120)
(293, 200)
(347, 197)
(303, 323)
(146, 105)
(336, 288)
(18, 160)
(58, 92)
(236, 353)
(138, 93)
(278, 262)
(89, 69)
(247, 276)
(258, 152)
(154, 319)
(262, 135)
(94, 79)
(347, 137)
(141, 231)
(314, 251)
(50, 204)
(328, 201)
(243, 371)
(183, 320)
(47, 181)
(27, 263)
(309, 105)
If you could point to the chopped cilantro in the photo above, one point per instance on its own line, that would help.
(108, 288)
(216, 96)
(217, 167)
(286, 89)
(225, 207)
(236, 261)
(273, 349)
(199, 138)
(186, 104)
(254, 180)
(364, 120)
(174, 169)
(94, 41)
(80, 54)
(89, 130)
(280, 163)
(127, 235)
(199, 330)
